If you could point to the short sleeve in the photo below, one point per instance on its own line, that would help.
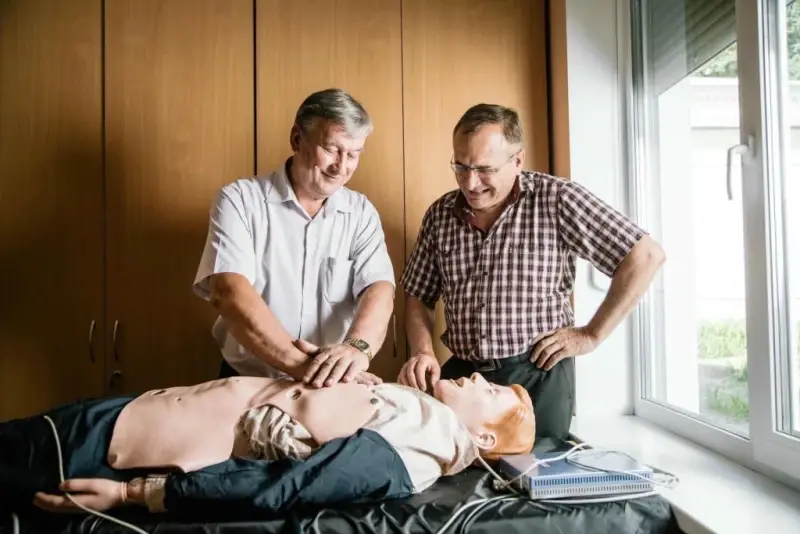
(421, 278)
(229, 243)
(593, 229)
(371, 260)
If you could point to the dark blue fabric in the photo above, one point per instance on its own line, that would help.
(28, 452)
(361, 468)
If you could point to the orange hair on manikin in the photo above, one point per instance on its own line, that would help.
(515, 429)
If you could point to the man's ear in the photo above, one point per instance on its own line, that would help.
(486, 440)
(294, 138)
(519, 160)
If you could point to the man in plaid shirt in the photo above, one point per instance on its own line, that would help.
(500, 251)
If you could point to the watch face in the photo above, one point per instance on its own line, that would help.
(360, 344)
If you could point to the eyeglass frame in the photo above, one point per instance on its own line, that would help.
(480, 171)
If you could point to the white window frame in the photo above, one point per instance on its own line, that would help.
(766, 450)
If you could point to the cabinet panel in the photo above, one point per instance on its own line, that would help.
(51, 189)
(457, 53)
(308, 45)
(179, 125)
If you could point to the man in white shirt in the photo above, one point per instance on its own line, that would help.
(295, 255)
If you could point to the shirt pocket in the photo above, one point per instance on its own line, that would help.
(337, 279)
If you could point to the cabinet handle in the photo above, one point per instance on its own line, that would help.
(114, 341)
(394, 336)
(112, 379)
(91, 341)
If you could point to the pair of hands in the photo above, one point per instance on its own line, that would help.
(336, 363)
(423, 370)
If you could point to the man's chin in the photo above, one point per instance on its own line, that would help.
(439, 387)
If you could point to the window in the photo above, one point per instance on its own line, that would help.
(715, 161)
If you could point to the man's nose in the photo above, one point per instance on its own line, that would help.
(470, 180)
(337, 161)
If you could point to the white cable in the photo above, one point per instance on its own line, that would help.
(15, 523)
(79, 505)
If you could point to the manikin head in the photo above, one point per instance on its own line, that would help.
(487, 155)
(327, 139)
(500, 418)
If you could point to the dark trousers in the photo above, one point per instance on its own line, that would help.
(552, 392)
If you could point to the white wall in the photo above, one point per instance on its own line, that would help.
(605, 377)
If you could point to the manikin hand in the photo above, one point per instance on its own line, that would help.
(417, 369)
(336, 363)
(98, 494)
(549, 348)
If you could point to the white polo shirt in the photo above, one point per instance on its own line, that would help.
(309, 271)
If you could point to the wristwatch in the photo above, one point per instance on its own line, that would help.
(360, 345)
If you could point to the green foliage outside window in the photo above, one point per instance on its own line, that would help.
(724, 64)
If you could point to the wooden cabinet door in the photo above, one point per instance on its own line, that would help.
(179, 124)
(458, 53)
(51, 190)
(304, 46)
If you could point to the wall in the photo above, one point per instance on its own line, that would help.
(604, 379)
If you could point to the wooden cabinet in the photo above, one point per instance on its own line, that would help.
(51, 190)
(120, 119)
(179, 115)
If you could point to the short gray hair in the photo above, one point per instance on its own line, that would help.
(483, 114)
(336, 106)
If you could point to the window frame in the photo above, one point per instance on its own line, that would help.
(767, 449)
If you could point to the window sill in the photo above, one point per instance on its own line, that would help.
(714, 494)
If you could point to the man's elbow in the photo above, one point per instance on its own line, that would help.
(654, 254)
(225, 288)
(414, 304)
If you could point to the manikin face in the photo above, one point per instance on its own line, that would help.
(325, 159)
(476, 402)
(495, 163)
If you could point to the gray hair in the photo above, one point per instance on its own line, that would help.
(336, 106)
(483, 114)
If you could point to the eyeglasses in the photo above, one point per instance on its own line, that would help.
(483, 171)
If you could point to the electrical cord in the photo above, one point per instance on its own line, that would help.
(71, 498)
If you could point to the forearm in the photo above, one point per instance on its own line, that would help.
(254, 325)
(420, 320)
(375, 306)
(628, 285)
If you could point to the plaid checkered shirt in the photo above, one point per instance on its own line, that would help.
(503, 287)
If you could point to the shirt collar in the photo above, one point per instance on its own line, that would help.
(282, 191)
(458, 203)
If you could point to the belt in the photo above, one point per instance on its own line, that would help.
(483, 366)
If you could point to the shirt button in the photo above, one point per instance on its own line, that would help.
(483, 336)
(482, 305)
(485, 273)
